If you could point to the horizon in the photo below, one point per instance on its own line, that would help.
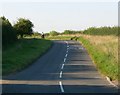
(60, 16)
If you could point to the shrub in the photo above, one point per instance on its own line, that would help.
(68, 32)
(8, 33)
(53, 33)
(102, 31)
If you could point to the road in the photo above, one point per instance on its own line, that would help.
(65, 68)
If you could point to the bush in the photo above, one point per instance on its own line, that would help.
(8, 33)
(47, 34)
(53, 33)
(102, 31)
(68, 32)
(36, 34)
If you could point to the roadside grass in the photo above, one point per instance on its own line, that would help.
(104, 52)
(59, 37)
(22, 54)
(102, 49)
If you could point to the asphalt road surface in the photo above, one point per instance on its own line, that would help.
(65, 68)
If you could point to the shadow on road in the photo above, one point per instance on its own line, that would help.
(38, 88)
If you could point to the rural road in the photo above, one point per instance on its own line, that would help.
(65, 68)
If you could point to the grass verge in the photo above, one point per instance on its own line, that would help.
(59, 37)
(22, 54)
(105, 59)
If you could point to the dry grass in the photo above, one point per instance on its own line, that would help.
(107, 44)
(104, 52)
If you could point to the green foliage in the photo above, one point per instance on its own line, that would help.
(53, 33)
(23, 26)
(23, 53)
(68, 32)
(36, 34)
(47, 34)
(8, 33)
(103, 61)
(59, 37)
(96, 31)
(102, 31)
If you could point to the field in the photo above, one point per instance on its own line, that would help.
(60, 37)
(23, 53)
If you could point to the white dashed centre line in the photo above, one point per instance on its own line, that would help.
(61, 74)
(62, 66)
(66, 42)
(66, 55)
(64, 59)
(61, 87)
(60, 83)
(67, 51)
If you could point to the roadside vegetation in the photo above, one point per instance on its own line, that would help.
(66, 35)
(21, 46)
(104, 52)
(102, 31)
(23, 53)
(9, 35)
(59, 37)
(101, 44)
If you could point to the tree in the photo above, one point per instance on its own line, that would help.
(23, 26)
(54, 33)
(68, 32)
(8, 33)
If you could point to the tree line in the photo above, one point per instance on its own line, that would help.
(102, 31)
(11, 33)
(91, 31)
(55, 33)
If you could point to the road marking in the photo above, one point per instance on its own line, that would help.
(66, 55)
(67, 51)
(61, 87)
(66, 42)
(62, 66)
(64, 59)
(67, 46)
(61, 74)
(108, 79)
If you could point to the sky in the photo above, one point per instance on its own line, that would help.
(60, 16)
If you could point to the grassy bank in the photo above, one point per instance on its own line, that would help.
(59, 37)
(104, 52)
(23, 53)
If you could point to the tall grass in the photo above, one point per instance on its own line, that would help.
(104, 52)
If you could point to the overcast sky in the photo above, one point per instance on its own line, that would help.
(59, 16)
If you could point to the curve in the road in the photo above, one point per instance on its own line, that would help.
(65, 68)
